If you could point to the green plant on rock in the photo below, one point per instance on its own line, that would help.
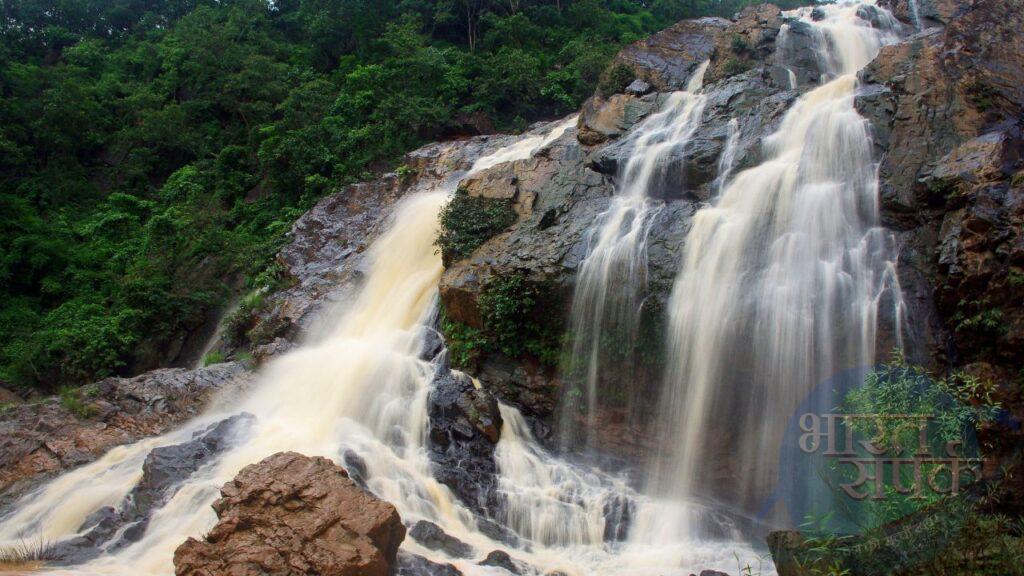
(215, 357)
(739, 44)
(734, 66)
(980, 318)
(469, 221)
(512, 311)
(465, 344)
(615, 79)
(74, 400)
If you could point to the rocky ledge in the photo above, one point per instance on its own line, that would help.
(292, 514)
(41, 439)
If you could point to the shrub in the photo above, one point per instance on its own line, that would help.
(510, 307)
(73, 399)
(465, 344)
(469, 221)
(215, 357)
(615, 79)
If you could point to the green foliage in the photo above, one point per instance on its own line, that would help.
(735, 66)
(514, 319)
(465, 344)
(1016, 279)
(954, 537)
(925, 533)
(615, 79)
(957, 404)
(214, 357)
(979, 318)
(74, 400)
(739, 44)
(469, 221)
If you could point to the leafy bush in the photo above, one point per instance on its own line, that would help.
(469, 221)
(615, 79)
(465, 344)
(517, 320)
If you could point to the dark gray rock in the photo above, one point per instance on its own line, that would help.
(431, 536)
(415, 565)
(464, 427)
(501, 559)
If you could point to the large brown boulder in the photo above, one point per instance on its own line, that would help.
(292, 514)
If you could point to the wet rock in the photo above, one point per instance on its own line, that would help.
(748, 42)
(464, 427)
(325, 256)
(639, 88)
(524, 383)
(501, 559)
(38, 440)
(355, 466)
(278, 347)
(414, 565)
(431, 536)
(603, 119)
(293, 514)
(667, 59)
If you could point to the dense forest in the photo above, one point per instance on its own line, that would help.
(154, 153)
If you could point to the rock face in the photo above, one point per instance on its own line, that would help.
(323, 260)
(291, 514)
(561, 192)
(38, 440)
(465, 425)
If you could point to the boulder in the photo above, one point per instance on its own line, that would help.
(432, 536)
(415, 565)
(666, 60)
(501, 559)
(292, 514)
(324, 261)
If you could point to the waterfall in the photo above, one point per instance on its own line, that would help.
(779, 289)
(727, 160)
(606, 305)
(362, 388)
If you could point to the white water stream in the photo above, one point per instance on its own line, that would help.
(779, 290)
(612, 278)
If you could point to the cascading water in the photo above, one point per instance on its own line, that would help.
(610, 286)
(779, 290)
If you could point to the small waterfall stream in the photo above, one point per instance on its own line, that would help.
(779, 289)
(606, 305)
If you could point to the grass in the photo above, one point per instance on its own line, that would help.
(215, 357)
(25, 554)
(75, 401)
